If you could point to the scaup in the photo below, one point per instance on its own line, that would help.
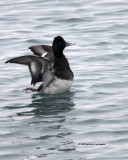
(49, 66)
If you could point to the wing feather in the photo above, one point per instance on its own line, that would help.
(40, 49)
(37, 67)
(44, 51)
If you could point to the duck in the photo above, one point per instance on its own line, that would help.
(49, 66)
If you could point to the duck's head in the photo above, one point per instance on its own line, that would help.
(58, 45)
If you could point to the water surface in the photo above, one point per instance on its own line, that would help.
(94, 112)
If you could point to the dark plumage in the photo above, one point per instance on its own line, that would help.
(39, 50)
(48, 64)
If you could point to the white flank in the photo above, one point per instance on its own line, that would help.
(58, 86)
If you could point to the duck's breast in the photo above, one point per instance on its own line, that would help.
(58, 86)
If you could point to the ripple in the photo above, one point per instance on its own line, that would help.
(35, 126)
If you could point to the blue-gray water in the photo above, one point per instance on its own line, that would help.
(95, 111)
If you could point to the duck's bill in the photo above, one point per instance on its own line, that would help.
(69, 44)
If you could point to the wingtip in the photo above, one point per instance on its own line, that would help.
(6, 62)
(9, 61)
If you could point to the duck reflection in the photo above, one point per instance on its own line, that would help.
(50, 104)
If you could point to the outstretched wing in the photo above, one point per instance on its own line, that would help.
(38, 68)
(44, 51)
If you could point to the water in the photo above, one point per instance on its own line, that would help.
(95, 111)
